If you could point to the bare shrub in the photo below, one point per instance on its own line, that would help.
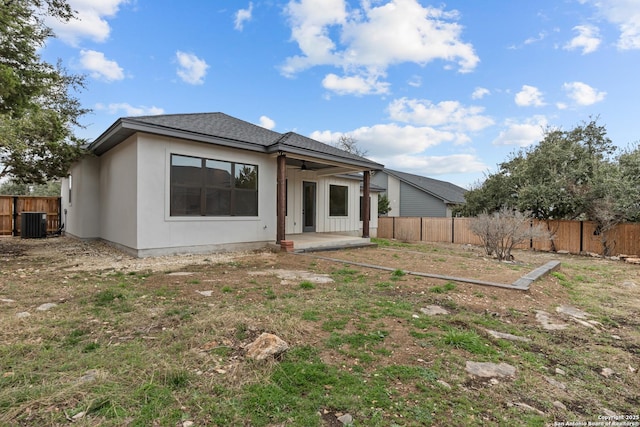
(505, 229)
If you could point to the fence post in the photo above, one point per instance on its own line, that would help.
(421, 229)
(453, 230)
(581, 236)
(15, 215)
(393, 227)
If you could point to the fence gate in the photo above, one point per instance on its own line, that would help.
(11, 208)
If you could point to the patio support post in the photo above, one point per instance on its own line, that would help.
(281, 198)
(366, 208)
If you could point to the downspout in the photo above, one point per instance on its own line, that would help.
(281, 198)
(366, 209)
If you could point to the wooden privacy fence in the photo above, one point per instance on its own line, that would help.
(11, 208)
(572, 236)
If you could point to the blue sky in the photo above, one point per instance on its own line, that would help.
(445, 90)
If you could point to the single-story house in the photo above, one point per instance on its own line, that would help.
(415, 195)
(181, 183)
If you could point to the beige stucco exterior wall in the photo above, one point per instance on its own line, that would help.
(81, 214)
(158, 232)
(123, 197)
(119, 194)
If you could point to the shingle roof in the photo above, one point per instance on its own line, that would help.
(448, 192)
(213, 124)
(294, 140)
(220, 128)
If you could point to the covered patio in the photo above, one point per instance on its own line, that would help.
(314, 242)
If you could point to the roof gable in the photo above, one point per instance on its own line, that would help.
(222, 129)
(446, 191)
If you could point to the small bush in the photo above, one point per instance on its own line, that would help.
(503, 230)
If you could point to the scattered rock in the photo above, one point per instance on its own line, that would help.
(79, 415)
(545, 320)
(505, 336)
(528, 407)
(180, 273)
(432, 310)
(266, 345)
(609, 412)
(47, 306)
(572, 311)
(23, 314)
(632, 260)
(205, 293)
(629, 284)
(559, 405)
(346, 419)
(632, 369)
(555, 383)
(6, 300)
(444, 384)
(89, 376)
(616, 337)
(583, 323)
(188, 424)
(560, 371)
(291, 276)
(490, 370)
(607, 372)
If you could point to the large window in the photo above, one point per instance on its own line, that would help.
(338, 200)
(205, 187)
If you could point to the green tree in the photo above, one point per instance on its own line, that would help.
(629, 166)
(13, 188)
(384, 206)
(38, 111)
(555, 179)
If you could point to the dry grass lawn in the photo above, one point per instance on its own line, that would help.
(161, 341)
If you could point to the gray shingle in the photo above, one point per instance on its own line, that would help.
(213, 124)
(212, 127)
(448, 192)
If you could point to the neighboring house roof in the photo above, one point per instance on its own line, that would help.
(358, 177)
(447, 192)
(222, 129)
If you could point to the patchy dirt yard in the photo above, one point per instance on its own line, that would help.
(162, 339)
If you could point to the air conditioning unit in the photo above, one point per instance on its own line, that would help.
(33, 225)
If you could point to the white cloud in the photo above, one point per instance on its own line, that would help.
(480, 92)
(582, 94)
(243, 15)
(390, 139)
(588, 39)
(191, 69)
(90, 22)
(524, 133)
(435, 165)
(267, 123)
(541, 36)
(366, 41)
(100, 67)
(354, 85)
(626, 15)
(129, 110)
(415, 81)
(529, 96)
(448, 115)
